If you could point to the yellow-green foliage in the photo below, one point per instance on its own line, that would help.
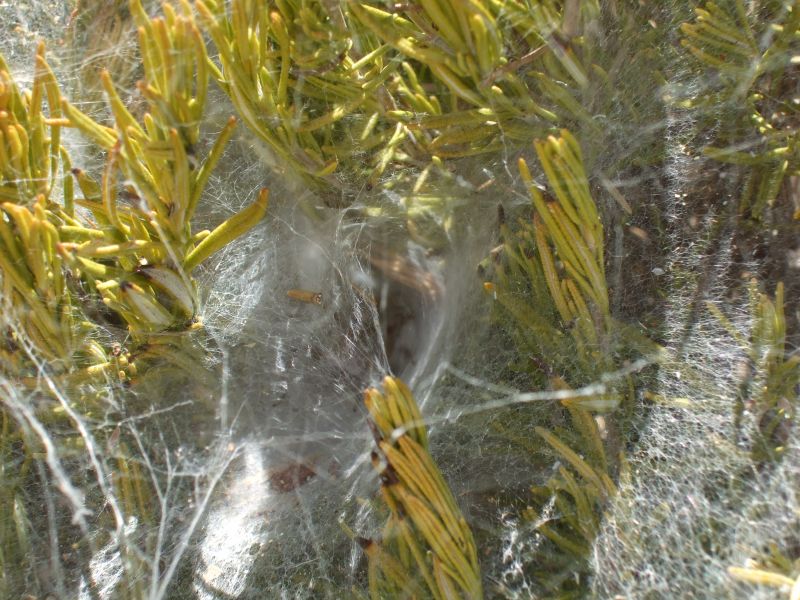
(756, 68)
(478, 69)
(775, 571)
(776, 400)
(347, 95)
(134, 248)
(426, 549)
(29, 139)
(15, 543)
(570, 229)
(327, 87)
(34, 283)
(34, 289)
(551, 274)
(293, 78)
(140, 250)
(145, 230)
(770, 380)
(550, 281)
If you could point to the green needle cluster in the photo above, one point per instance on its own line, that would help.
(426, 548)
(757, 74)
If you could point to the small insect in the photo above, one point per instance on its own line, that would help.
(305, 296)
(485, 185)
